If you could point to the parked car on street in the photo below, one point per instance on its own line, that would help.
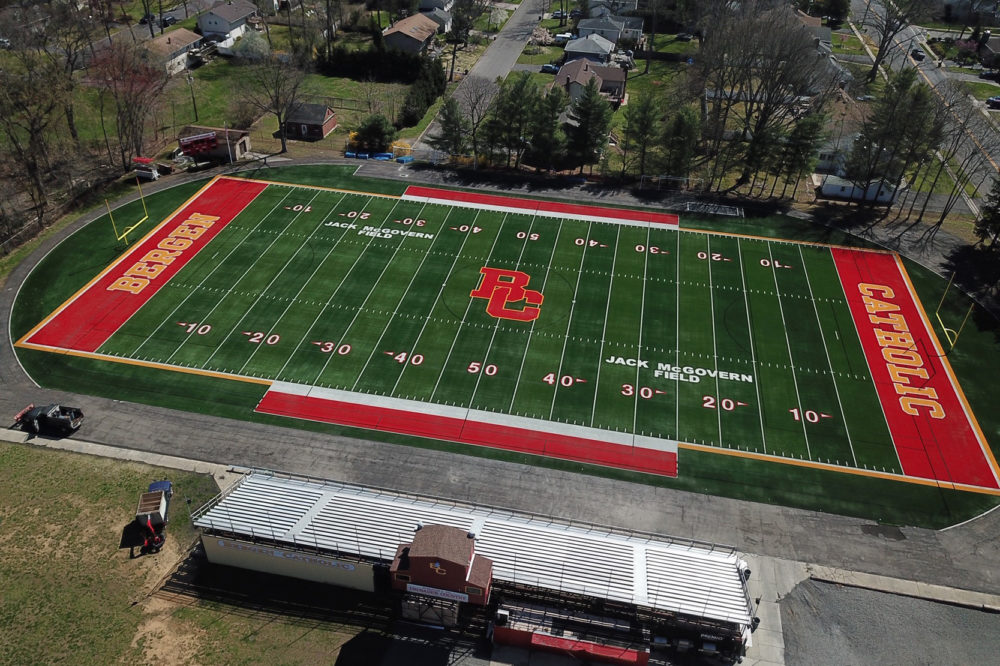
(148, 18)
(167, 21)
(989, 76)
(918, 54)
(549, 68)
(558, 14)
(993, 102)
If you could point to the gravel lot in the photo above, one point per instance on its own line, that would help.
(833, 624)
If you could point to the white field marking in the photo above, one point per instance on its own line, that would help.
(257, 300)
(333, 294)
(559, 215)
(788, 347)
(465, 314)
(305, 282)
(496, 325)
(569, 320)
(871, 375)
(642, 312)
(171, 318)
(829, 363)
(604, 331)
(475, 415)
(371, 291)
(715, 348)
(753, 346)
(402, 297)
(677, 340)
(531, 331)
(428, 318)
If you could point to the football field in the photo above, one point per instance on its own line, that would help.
(580, 332)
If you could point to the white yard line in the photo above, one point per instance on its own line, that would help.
(531, 331)
(171, 317)
(715, 347)
(569, 320)
(465, 314)
(642, 312)
(788, 347)
(677, 341)
(753, 346)
(496, 326)
(437, 299)
(402, 297)
(263, 291)
(829, 363)
(305, 282)
(371, 291)
(333, 294)
(878, 398)
(604, 332)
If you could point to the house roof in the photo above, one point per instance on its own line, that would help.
(233, 11)
(592, 43)
(602, 23)
(419, 27)
(629, 22)
(439, 14)
(812, 21)
(310, 114)
(171, 42)
(230, 135)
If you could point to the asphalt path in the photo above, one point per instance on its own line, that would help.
(963, 557)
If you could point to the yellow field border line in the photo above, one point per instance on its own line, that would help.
(114, 262)
(983, 443)
(829, 467)
(149, 364)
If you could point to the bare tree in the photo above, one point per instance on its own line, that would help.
(135, 85)
(64, 40)
(475, 94)
(464, 14)
(888, 18)
(274, 86)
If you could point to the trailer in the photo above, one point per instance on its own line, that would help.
(152, 514)
(51, 419)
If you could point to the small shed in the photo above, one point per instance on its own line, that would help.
(213, 143)
(310, 122)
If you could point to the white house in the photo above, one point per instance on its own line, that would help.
(592, 47)
(605, 26)
(612, 7)
(172, 48)
(441, 17)
(428, 5)
(227, 20)
(836, 187)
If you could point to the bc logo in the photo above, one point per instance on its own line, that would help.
(502, 288)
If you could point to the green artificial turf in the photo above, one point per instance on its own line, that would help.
(289, 292)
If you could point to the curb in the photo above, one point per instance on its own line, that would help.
(907, 588)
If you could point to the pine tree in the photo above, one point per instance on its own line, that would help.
(988, 224)
(591, 114)
(642, 127)
(453, 138)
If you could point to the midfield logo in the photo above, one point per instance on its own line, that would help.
(501, 288)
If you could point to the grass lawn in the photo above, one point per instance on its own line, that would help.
(847, 42)
(670, 44)
(539, 55)
(72, 595)
(982, 89)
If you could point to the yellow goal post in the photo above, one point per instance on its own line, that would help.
(123, 236)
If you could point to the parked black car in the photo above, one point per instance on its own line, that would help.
(167, 21)
(148, 18)
(918, 54)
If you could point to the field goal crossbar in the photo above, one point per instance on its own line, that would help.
(123, 236)
(949, 333)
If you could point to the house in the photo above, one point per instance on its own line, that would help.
(428, 5)
(412, 34)
(592, 47)
(605, 26)
(612, 7)
(228, 20)
(631, 27)
(574, 76)
(215, 144)
(836, 187)
(441, 17)
(310, 122)
(172, 49)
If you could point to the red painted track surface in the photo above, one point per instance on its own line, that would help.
(470, 432)
(944, 449)
(546, 206)
(95, 313)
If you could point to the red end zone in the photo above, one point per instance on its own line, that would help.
(468, 431)
(552, 208)
(95, 312)
(933, 429)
